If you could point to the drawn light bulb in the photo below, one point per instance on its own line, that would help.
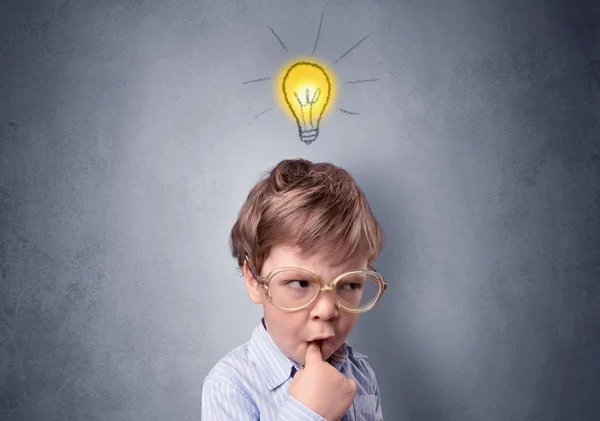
(307, 90)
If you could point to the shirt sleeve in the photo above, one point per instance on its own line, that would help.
(222, 400)
(294, 410)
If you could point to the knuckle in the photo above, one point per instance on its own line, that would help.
(352, 386)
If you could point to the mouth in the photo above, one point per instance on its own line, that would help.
(322, 340)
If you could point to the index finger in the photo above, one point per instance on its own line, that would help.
(313, 354)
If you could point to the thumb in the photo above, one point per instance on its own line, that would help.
(313, 354)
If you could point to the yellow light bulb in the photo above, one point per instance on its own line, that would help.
(306, 87)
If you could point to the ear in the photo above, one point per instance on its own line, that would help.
(252, 286)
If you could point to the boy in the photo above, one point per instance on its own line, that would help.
(304, 240)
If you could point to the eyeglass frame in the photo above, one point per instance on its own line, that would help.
(265, 280)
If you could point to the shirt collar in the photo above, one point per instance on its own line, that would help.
(277, 368)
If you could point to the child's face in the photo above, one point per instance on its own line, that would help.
(293, 331)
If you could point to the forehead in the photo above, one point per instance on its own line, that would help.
(320, 262)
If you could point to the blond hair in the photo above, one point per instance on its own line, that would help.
(316, 207)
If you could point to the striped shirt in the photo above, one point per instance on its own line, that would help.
(251, 383)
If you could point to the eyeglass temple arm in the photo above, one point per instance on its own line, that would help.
(384, 282)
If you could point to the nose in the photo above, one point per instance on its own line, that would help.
(325, 307)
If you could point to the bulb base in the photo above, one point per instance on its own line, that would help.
(309, 136)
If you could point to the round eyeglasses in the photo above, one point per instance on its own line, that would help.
(293, 289)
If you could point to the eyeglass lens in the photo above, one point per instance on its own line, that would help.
(294, 288)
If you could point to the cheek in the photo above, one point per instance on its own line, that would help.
(346, 323)
(286, 327)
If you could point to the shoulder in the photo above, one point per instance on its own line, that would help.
(226, 392)
(234, 368)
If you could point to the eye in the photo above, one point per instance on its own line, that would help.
(298, 284)
(351, 286)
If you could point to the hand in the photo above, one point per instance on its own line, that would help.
(322, 388)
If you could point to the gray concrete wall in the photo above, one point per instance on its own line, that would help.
(128, 143)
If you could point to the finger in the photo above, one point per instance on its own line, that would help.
(313, 354)
(352, 386)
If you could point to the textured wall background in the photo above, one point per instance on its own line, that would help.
(128, 143)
